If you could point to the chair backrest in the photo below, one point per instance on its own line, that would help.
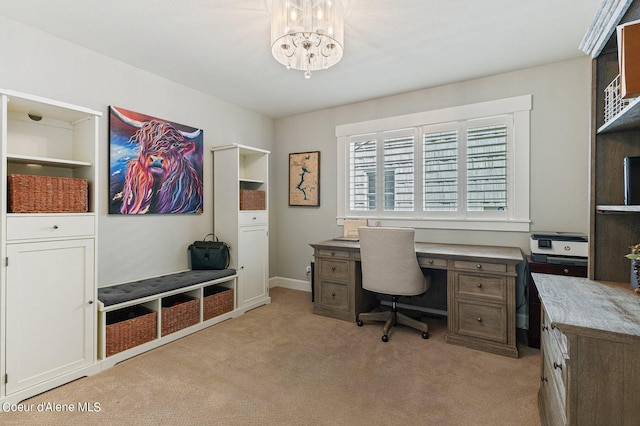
(389, 262)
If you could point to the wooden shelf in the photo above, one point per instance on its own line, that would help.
(627, 119)
(258, 181)
(618, 209)
(44, 161)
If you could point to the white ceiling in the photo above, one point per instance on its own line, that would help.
(222, 47)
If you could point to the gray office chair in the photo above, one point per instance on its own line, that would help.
(390, 266)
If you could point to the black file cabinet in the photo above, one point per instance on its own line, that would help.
(533, 335)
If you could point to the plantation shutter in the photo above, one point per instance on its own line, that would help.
(399, 174)
(362, 175)
(487, 168)
(440, 165)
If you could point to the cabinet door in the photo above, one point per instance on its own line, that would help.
(49, 310)
(253, 255)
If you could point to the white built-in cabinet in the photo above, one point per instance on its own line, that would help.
(237, 168)
(48, 260)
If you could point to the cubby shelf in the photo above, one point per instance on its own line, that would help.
(154, 303)
(45, 161)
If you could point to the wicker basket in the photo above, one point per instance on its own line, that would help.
(46, 194)
(129, 327)
(178, 312)
(252, 200)
(217, 301)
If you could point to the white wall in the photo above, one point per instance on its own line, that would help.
(559, 156)
(135, 247)
(129, 247)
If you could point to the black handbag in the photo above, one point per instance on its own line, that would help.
(209, 254)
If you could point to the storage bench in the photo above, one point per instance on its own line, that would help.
(137, 316)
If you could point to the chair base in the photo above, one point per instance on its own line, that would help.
(391, 318)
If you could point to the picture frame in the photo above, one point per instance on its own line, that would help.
(155, 165)
(304, 179)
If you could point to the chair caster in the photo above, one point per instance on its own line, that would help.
(385, 338)
(425, 335)
(360, 323)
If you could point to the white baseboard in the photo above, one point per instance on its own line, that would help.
(290, 283)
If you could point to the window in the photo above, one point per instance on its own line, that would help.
(469, 172)
(395, 152)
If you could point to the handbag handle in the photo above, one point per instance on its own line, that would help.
(214, 237)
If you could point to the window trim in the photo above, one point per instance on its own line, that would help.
(517, 107)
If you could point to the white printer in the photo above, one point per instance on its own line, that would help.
(562, 248)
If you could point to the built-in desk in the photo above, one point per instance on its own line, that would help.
(480, 287)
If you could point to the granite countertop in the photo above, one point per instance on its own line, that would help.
(590, 308)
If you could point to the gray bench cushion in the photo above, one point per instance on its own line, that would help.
(120, 293)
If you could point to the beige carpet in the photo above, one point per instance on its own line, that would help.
(282, 365)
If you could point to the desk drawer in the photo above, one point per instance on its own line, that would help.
(555, 366)
(31, 227)
(333, 253)
(482, 287)
(432, 262)
(334, 270)
(480, 266)
(333, 295)
(482, 321)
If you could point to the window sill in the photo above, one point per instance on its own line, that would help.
(505, 225)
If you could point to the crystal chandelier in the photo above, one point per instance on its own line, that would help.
(307, 35)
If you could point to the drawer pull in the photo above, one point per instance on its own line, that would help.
(254, 218)
(333, 294)
(55, 226)
(333, 268)
(566, 271)
(479, 266)
(479, 285)
(333, 253)
(557, 366)
(479, 319)
(430, 261)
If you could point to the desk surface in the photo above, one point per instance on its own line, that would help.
(588, 308)
(508, 255)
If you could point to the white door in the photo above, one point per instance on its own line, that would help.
(49, 311)
(252, 264)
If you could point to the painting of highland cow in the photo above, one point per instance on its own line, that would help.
(155, 166)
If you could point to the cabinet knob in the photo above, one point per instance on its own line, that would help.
(255, 218)
(557, 366)
(90, 302)
(479, 285)
(333, 268)
(479, 266)
(430, 261)
(333, 253)
(479, 319)
(55, 226)
(333, 294)
(566, 271)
